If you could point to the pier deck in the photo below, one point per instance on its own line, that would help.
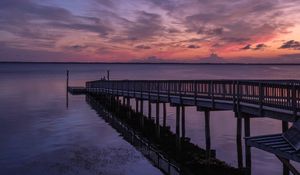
(277, 99)
(261, 98)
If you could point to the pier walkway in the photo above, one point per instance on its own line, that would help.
(277, 99)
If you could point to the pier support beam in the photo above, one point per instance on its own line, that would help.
(157, 120)
(207, 134)
(128, 102)
(149, 110)
(136, 105)
(285, 162)
(164, 114)
(178, 145)
(123, 98)
(239, 141)
(183, 122)
(142, 113)
(128, 105)
(247, 148)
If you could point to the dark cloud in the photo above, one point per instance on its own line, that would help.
(77, 47)
(260, 47)
(192, 46)
(142, 47)
(210, 31)
(235, 39)
(236, 22)
(32, 20)
(101, 29)
(147, 25)
(257, 47)
(247, 47)
(292, 44)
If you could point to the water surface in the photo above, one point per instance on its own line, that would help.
(39, 135)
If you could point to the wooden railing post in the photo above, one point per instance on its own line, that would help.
(169, 90)
(261, 97)
(212, 93)
(234, 96)
(195, 92)
(294, 102)
(180, 94)
(238, 98)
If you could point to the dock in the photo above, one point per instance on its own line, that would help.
(276, 99)
(77, 90)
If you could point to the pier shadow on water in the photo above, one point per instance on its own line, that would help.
(159, 144)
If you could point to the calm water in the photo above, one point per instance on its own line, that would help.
(39, 135)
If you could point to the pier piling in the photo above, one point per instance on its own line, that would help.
(207, 134)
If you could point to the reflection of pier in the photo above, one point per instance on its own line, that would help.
(170, 154)
(159, 160)
(256, 98)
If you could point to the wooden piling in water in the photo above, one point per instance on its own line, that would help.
(247, 148)
(149, 109)
(239, 141)
(285, 168)
(164, 115)
(157, 120)
(183, 122)
(136, 105)
(142, 113)
(178, 147)
(207, 133)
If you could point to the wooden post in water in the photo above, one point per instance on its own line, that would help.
(136, 105)
(247, 148)
(183, 122)
(164, 115)
(239, 140)
(207, 133)
(67, 88)
(178, 145)
(108, 76)
(142, 113)
(149, 110)
(67, 79)
(285, 127)
(123, 98)
(128, 105)
(142, 107)
(157, 120)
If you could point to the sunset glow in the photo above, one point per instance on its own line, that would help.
(150, 30)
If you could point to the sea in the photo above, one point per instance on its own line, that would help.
(40, 134)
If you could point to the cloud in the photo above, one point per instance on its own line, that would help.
(77, 47)
(8, 53)
(142, 47)
(292, 44)
(260, 47)
(234, 39)
(210, 31)
(247, 47)
(193, 46)
(147, 25)
(163, 24)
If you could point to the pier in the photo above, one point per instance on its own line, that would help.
(276, 99)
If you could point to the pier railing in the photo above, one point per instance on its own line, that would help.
(282, 94)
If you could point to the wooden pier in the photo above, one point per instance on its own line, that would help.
(277, 99)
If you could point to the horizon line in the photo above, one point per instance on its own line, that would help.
(175, 63)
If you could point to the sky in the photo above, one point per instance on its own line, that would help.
(150, 30)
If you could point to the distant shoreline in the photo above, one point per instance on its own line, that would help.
(162, 63)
